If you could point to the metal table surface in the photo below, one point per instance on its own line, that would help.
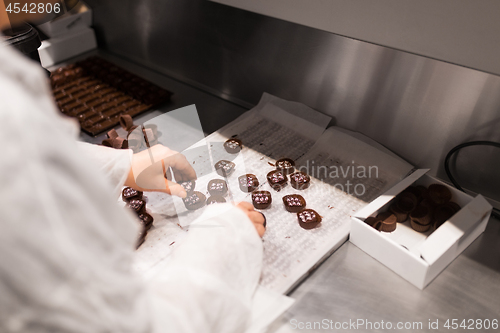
(350, 285)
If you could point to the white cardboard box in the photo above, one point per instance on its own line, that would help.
(62, 47)
(420, 257)
(76, 19)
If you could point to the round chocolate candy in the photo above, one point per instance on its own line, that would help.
(261, 199)
(276, 179)
(443, 213)
(300, 180)
(439, 194)
(138, 206)
(129, 193)
(406, 202)
(146, 220)
(371, 221)
(453, 205)
(286, 165)
(400, 215)
(224, 168)
(188, 186)
(214, 199)
(112, 134)
(194, 201)
(421, 215)
(126, 122)
(217, 187)
(294, 203)
(248, 183)
(308, 218)
(107, 142)
(417, 191)
(419, 227)
(233, 146)
(388, 221)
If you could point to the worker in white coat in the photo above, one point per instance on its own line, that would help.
(66, 246)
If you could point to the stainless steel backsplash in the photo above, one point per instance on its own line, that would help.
(416, 106)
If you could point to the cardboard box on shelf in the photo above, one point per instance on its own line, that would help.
(420, 257)
(63, 47)
(80, 17)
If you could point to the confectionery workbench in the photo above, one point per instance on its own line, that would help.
(350, 285)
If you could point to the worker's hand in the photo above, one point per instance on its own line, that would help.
(258, 219)
(149, 166)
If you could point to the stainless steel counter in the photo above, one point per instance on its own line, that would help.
(350, 285)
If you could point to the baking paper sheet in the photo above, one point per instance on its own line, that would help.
(272, 130)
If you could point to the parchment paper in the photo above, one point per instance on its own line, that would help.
(272, 130)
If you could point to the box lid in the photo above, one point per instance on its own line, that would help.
(461, 224)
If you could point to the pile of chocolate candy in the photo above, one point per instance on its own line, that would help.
(425, 208)
(135, 201)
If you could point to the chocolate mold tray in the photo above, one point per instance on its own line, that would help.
(97, 92)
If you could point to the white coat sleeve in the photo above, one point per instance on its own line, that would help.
(209, 284)
(114, 164)
(66, 247)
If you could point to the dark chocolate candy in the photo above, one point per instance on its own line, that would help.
(261, 199)
(137, 205)
(105, 92)
(421, 215)
(300, 180)
(215, 199)
(224, 168)
(276, 179)
(400, 215)
(439, 194)
(418, 192)
(388, 221)
(217, 187)
(112, 134)
(107, 142)
(146, 220)
(194, 201)
(286, 165)
(294, 203)
(371, 221)
(129, 193)
(233, 146)
(406, 202)
(419, 227)
(308, 218)
(188, 186)
(248, 183)
(444, 212)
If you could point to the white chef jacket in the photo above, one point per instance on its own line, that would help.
(66, 246)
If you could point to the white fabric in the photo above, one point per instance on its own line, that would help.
(113, 163)
(66, 246)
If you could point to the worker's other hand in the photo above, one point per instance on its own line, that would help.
(257, 218)
(147, 172)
